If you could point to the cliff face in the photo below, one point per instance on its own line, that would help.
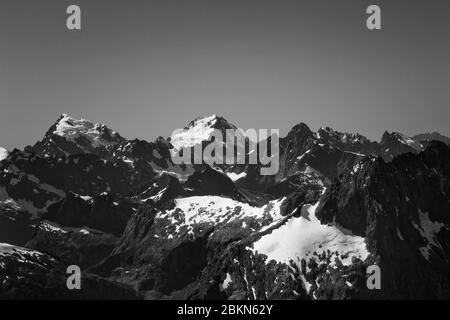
(30, 274)
(402, 208)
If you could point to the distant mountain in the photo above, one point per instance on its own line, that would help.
(351, 142)
(324, 154)
(199, 130)
(426, 137)
(144, 227)
(395, 143)
(68, 136)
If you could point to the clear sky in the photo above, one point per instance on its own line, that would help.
(147, 67)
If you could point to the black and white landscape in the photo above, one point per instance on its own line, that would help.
(141, 227)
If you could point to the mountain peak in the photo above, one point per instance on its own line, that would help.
(395, 143)
(212, 121)
(327, 133)
(299, 130)
(69, 135)
(301, 127)
(198, 130)
(403, 139)
(71, 129)
(432, 136)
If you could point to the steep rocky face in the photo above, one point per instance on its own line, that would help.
(163, 188)
(21, 191)
(208, 181)
(15, 227)
(395, 143)
(402, 209)
(29, 274)
(155, 154)
(30, 183)
(299, 182)
(353, 142)
(83, 247)
(212, 182)
(102, 212)
(324, 154)
(294, 145)
(328, 153)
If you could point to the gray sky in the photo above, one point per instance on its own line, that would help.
(147, 67)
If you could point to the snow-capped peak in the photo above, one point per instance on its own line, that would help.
(200, 129)
(208, 121)
(213, 121)
(3, 153)
(98, 134)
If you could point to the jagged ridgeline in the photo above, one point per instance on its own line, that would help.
(141, 226)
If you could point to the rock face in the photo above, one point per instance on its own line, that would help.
(14, 226)
(140, 226)
(102, 212)
(402, 209)
(211, 182)
(39, 182)
(395, 143)
(84, 247)
(29, 274)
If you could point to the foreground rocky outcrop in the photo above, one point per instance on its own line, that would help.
(402, 209)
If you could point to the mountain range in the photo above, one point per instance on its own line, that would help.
(143, 227)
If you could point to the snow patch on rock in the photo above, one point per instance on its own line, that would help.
(199, 130)
(3, 153)
(213, 210)
(236, 176)
(428, 230)
(227, 281)
(300, 237)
